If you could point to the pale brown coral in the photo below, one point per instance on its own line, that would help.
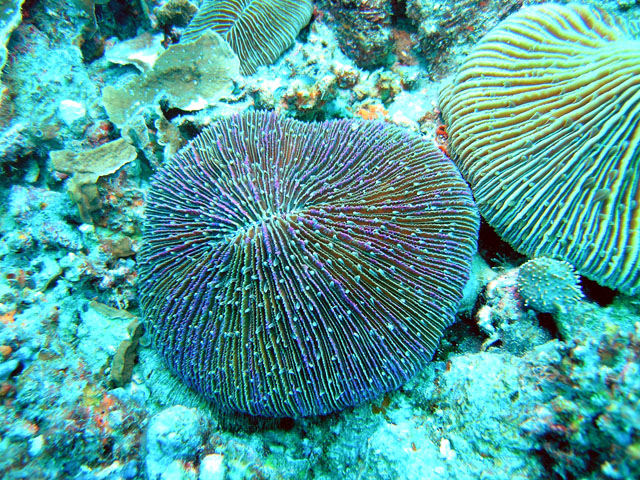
(86, 167)
(189, 76)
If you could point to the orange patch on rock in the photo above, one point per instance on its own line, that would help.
(372, 111)
(8, 317)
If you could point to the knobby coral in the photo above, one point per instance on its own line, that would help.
(257, 30)
(549, 285)
(293, 268)
(544, 123)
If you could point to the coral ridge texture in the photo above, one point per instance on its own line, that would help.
(293, 269)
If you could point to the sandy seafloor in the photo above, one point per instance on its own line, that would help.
(511, 393)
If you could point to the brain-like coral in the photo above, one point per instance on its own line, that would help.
(544, 123)
(549, 285)
(257, 30)
(292, 268)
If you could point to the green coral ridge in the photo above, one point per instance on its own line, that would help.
(548, 285)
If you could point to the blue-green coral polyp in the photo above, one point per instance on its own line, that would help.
(294, 269)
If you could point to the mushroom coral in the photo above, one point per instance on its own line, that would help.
(544, 123)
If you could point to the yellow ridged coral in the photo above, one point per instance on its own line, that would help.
(544, 123)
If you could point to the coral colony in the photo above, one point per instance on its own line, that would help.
(294, 268)
(544, 123)
(319, 240)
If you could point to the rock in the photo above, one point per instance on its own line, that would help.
(70, 111)
(211, 467)
(36, 445)
(175, 434)
(7, 368)
(177, 471)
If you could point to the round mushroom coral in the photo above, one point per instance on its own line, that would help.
(293, 269)
(544, 122)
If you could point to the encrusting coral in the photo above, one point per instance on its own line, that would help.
(190, 76)
(87, 167)
(293, 269)
(544, 122)
(10, 18)
(141, 51)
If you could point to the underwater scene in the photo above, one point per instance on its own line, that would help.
(319, 240)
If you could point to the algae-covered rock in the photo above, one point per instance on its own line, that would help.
(86, 167)
(590, 427)
(174, 436)
(189, 76)
(364, 30)
(101, 330)
(141, 51)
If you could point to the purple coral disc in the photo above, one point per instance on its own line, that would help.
(294, 269)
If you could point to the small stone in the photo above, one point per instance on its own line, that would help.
(70, 111)
(211, 467)
(177, 471)
(445, 449)
(36, 445)
(7, 368)
(5, 351)
(130, 470)
(26, 353)
(115, 419)
(33, 172)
